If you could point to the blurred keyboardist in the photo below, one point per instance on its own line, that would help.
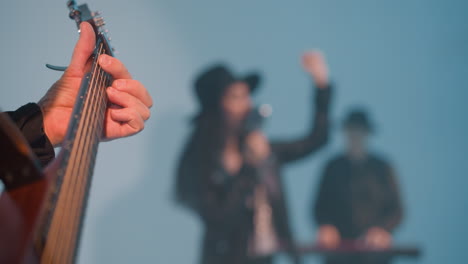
(358, 199)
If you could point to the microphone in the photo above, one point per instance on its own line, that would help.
(256, 117)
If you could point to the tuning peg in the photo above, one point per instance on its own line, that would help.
(96, 13)
(99, 21)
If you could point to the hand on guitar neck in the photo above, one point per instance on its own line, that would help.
(129, 100)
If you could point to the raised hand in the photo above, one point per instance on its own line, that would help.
(314, 63)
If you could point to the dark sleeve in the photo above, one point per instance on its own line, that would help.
(322, 209)
(287, 151)
(29, 120)
(392, 214)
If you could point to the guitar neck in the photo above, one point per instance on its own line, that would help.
(68, 198)
(86, 124)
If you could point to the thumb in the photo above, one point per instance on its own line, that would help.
(83, 50)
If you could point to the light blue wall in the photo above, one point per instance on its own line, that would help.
(407, 60)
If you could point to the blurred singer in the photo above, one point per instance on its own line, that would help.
(229, 173)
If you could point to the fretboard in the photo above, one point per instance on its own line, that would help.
(60, 233)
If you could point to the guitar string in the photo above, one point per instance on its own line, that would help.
(93, 135)
(56, 228)
(89, 159)
(87, 139)
(75, 200)
(57, 224)
(97, 118)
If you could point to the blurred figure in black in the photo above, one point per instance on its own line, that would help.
(358, 199)
(229, 173)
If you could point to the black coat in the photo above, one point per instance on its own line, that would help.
(222, 200)
(355, 196)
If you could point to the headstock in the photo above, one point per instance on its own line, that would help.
(82, 13)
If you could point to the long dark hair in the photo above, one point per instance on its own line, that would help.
(200, 156)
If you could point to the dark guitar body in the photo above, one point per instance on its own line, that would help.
(21, 202)
(17, 224)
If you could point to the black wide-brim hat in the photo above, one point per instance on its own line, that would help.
(358, 117)
(213, 82)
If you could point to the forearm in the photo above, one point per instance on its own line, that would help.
(319, 130)
(394, 209)
(392, 222)
(315, 138)
(392, 216)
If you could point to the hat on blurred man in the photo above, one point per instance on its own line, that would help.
(358, 118)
